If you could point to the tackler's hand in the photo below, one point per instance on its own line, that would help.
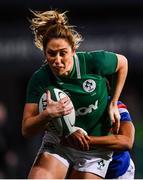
(115, 117)
(78, 139)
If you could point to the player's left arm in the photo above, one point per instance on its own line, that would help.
(123, 141)
(121, 71)
(125, 138)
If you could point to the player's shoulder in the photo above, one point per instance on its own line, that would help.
(89, 56)
(41, 72)
(120, 104)
(89, 53)
(97, 55)
(123, 110)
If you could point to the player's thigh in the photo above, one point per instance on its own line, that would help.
(74, 174)
(48, 166)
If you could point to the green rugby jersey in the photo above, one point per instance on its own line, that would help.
(86, 87)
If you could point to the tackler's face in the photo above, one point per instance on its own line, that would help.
(59, 56)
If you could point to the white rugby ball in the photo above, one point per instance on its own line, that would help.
(63, 125)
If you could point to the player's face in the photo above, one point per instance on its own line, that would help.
(59, 55)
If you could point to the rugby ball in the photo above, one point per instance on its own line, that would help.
(62, 125)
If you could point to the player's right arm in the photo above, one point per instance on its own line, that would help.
(33, 122)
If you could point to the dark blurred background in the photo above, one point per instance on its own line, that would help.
(110, 25)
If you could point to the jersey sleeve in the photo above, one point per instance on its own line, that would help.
(124, 113)
(33, 90)
(102, 62)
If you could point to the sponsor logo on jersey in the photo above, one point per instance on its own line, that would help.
(89, 85)
(86, 110)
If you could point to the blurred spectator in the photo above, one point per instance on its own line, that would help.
(3, 114)
(3, 143)
(8, 158)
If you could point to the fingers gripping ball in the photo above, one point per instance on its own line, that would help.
(64, 125)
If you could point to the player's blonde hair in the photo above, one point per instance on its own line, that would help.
(52, 24)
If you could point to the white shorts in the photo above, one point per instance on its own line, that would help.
(93, 161)
(130, 173)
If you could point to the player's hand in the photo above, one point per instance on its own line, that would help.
(78, 140)
(59, 108)
(115, 117)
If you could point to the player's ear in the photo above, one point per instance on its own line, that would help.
(74, 51)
